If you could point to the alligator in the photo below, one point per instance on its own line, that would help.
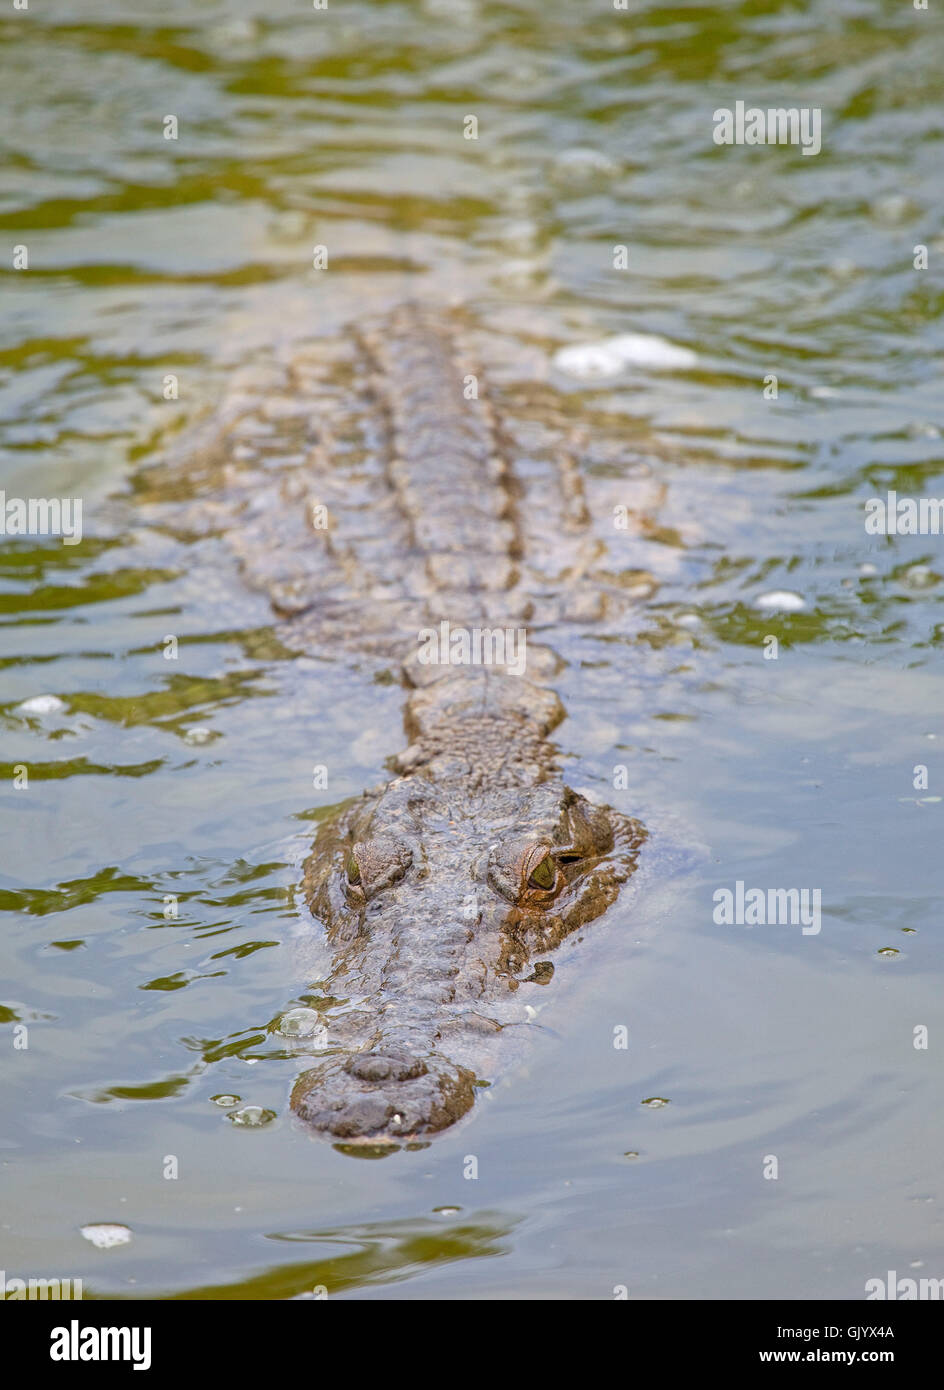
(442, 891)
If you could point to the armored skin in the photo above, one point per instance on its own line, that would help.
(441, 893)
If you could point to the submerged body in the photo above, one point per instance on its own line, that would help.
(441, 892)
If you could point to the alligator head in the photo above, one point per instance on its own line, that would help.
(439, 895)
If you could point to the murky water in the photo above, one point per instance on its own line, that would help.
(150, 1035)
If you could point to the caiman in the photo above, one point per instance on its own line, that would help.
(441, 892)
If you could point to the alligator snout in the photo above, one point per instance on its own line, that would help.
(383, 1096)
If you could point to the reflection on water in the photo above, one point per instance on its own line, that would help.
(370, 1256)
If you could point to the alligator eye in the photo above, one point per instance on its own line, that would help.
(353, 872)
(543, 876)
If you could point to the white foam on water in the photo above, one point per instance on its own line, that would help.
(105, 1236)
(611, 356)
(780, 601)
(43, 704)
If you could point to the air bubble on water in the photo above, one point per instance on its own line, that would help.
(689, 620)
(923, 429)
(252, 1117)
(920, 577)
(888, 951)
(868, 569)
(299, 1023)
(780, 601)
(447, 1211)
(43, 704)
(199, 734)
(225, 1100)
(105, 1235)
(655, 1102)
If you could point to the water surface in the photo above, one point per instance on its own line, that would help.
(192, 257)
